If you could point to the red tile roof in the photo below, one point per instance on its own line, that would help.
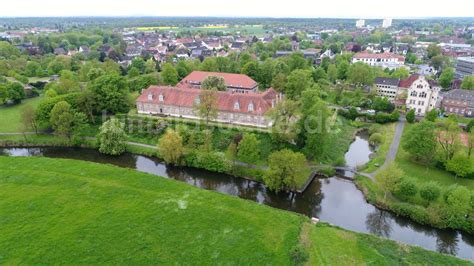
(406, 83)
(386, 55)
(231, 80)
(186, 97)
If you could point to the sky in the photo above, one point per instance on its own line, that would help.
(240, 8)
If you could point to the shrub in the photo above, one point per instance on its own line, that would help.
(407, 188)
(375, 139)
(417, 213)
(411, 116)
(430, 191)
(299, 255)
(211, 161)
(375, 128)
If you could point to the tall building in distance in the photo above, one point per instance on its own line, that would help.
(360, 23)
(386, 23)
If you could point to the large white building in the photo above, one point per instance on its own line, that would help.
(360, 23)
(384, 60)
(422, 94)
(387, 23)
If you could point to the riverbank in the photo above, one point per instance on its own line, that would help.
(68, 211)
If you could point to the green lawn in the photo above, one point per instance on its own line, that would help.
(10, 116)
(387, 131)
(56, 211)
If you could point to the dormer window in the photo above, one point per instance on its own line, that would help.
(236, 106)
(161, 98)
(197, 101)
(150, 97)
(250, 107)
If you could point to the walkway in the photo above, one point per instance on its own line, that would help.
(392, 152)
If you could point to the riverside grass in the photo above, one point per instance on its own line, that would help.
(58, 211)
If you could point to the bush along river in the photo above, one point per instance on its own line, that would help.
(333, 200)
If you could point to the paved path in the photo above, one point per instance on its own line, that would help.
(392, 152)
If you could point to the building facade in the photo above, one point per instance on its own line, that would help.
(234, 82)
(388, 88)
(234, 108)
(384, 60)
(464, 66)
(459, 102)
(422, 94)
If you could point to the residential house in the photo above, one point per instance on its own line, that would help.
(464, 66)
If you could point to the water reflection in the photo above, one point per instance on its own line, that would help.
(378, 223)
(333, 200)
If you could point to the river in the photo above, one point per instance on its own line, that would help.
(333, 200)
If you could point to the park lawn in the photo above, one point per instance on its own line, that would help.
(387, 131)
(57, 211)
(10, 116)
(65, 211)
(422, 174)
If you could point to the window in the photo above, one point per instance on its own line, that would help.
(197, 100)
(161, 98)
(413, 93)
(250, 107)
(236, 106)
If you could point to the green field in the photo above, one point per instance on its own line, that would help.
(10, 116)
(56, 211)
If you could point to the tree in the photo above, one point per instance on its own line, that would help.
(15, 92)
(447, 136)
(389, 178)
(411, 116)
(169, 74)
(298, 81)
(171, 148)
(332, 73)
(284, 168)
(460, 165)
(206, 105)
(439, 61)
(214, 83)
(251, 69)
(433, 50)
(446, 77)
(319, 74)
(342, 70)
(468, 83)
(420, 141)
(284, 116)
(314, 126)
(360, 74)
(111, 138)
(430, 191)
(64, 121)
(111, 94)
(249, 149)
(375, 139)
(28, 119)
(470, 143)
(432, 115)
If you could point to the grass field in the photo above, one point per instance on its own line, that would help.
(250, 29)
(10, 116)
(56, 211)
(387, 131)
